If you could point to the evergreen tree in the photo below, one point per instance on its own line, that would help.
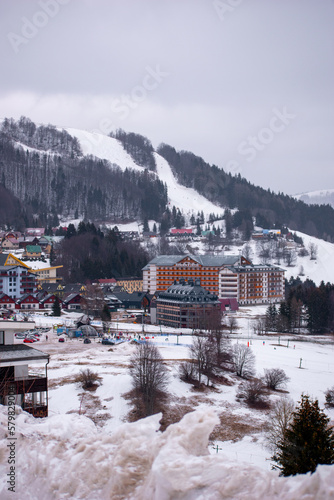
(198, 228)
(71, 231)
(146, 226)
(56, 309)
(105, 313)
(307, 442)
(271, 317)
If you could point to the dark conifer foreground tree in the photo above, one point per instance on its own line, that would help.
(307, 442)
(56, 310)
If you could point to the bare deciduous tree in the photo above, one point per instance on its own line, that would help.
(93, 302)
(247, 251)
(260, 326)
(149, 374)
(253, 392)
(329, 395)
(232, 324)
(243, 361)
(222, 346)
(279, 419)
(289, 256)
(313, 249)
(187, 371)
(275, 378)
(203, 354)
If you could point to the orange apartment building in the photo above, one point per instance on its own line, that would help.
(227, 276)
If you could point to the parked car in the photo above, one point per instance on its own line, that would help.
(33, 337)
(28, 341)
(61, 339)
(87, 341)
(108, 342)
(20, 335)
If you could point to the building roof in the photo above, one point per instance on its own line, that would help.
(204, 260)
(3, 258)
(21, 352)
(256, 267)
(33, 249)
(4, 295)
(191, 291)
(128, 278)
(35, 231)
(70, 297)
(25, 296)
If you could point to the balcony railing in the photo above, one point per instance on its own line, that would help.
(24, 385)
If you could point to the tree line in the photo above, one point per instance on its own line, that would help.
(233, 191)
(87, 253)
(69, 184)
(306, 306)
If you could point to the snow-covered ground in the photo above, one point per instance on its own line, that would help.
(320, 269)
(69, 456)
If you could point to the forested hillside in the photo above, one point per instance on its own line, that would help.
(236, 192)
(66, 183)
(86, 253)
(45, 168)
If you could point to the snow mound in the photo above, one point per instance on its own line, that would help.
(65, 456)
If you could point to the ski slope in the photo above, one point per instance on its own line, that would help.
(186, 199)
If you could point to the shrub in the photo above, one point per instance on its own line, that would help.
(187, 371)
(88, 379)
(275, 378)
(253, 392)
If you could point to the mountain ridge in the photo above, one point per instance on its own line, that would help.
(94, 176)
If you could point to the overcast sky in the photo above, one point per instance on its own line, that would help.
(246, 84)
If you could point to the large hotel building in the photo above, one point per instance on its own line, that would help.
(227, 276)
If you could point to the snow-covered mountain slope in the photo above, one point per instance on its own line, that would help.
(322, 197)
(108, 148)
(104, 147)
(186, 199)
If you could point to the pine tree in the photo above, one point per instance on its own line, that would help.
(271, 317)
(105, 314)
(56, 309)
(307, 442)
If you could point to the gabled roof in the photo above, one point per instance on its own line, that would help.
(5, 296)
(47, 297)
(25, 296)
(70, 297)
(19, 262)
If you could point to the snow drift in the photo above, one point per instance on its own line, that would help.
(66, 456)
